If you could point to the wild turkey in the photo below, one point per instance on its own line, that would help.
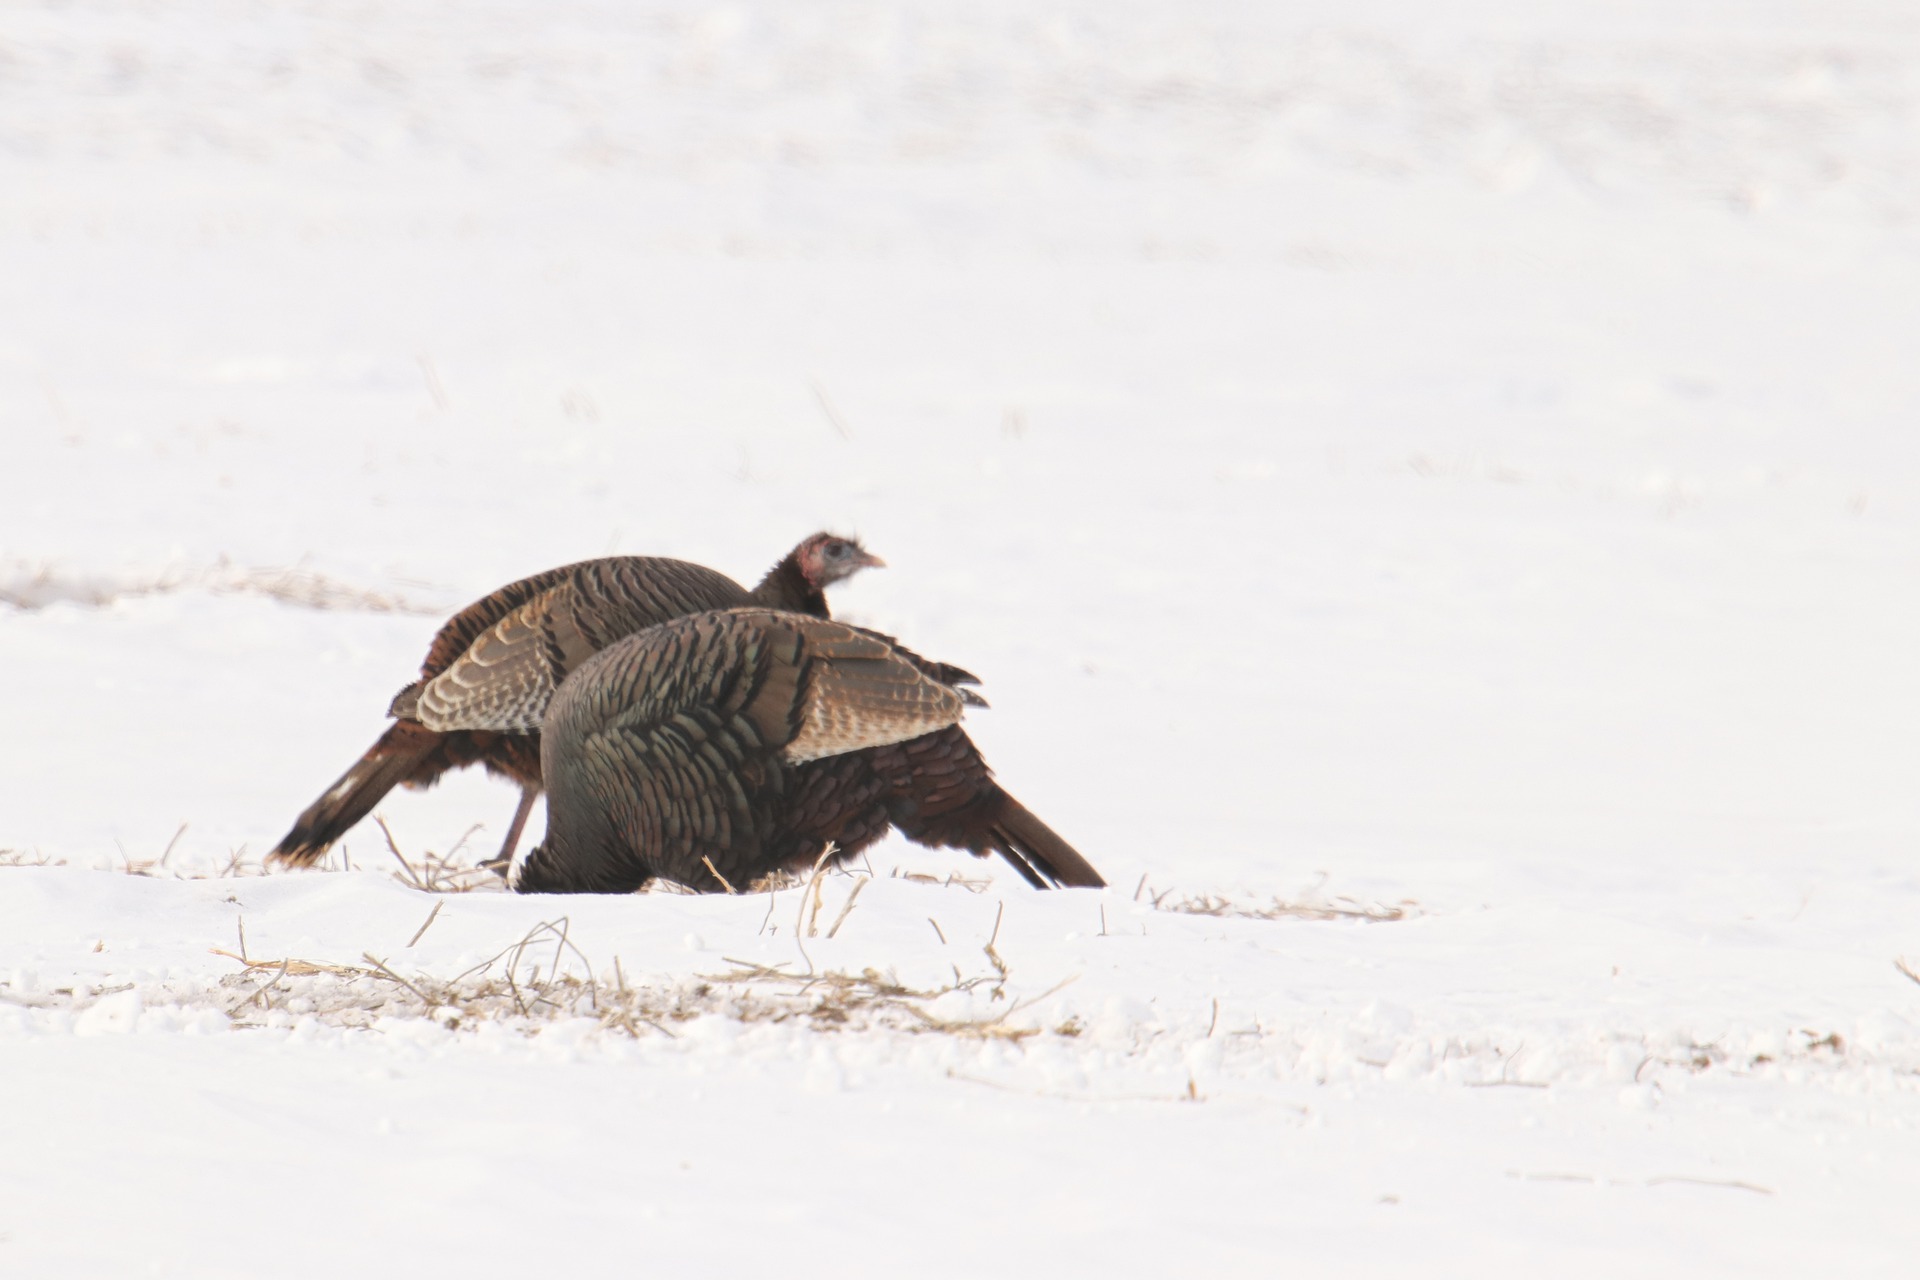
(716, 748)
(491, 670)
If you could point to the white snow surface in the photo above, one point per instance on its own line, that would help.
(1433, 491)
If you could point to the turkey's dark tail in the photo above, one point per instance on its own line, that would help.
(397, 757)
(1038, 853)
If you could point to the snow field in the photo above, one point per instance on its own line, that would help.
(1453, 466)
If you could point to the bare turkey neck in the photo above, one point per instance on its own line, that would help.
(785, 587)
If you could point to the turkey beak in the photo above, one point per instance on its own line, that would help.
(867, 560)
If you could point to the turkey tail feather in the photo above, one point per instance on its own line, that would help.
(1038, 853)
(395, 758)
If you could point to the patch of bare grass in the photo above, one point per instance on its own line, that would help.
(440, 872)
(543, 977)
(430, 872)
(1311, 903)
(35, 586)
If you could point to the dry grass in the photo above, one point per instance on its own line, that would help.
(432, 872)
(439, 872)
(543, 978)
(436, 872)
(448, 872)
(31, 586)
(237, 863)
(952, 880)
(1310, 904)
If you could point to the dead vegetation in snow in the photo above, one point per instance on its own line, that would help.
(1310, 903)
(29, 587)
(543, 978)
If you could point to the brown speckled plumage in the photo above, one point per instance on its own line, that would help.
(748, 739)
(493, 667)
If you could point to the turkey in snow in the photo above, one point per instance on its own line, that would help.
(490, 672)
(716, 748)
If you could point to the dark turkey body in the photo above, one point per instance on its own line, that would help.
(718, 748)
(559, 618)
(579, 610)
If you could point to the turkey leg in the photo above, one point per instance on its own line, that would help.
(498, 865)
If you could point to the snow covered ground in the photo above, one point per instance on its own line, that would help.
(1433, 493)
